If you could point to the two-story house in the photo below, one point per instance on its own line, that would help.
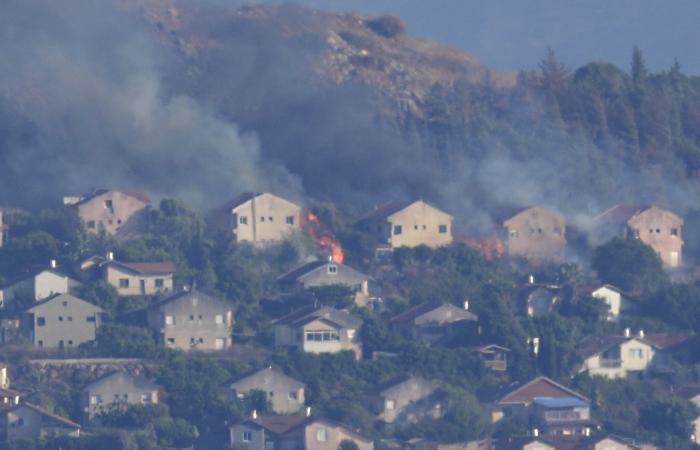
(261, 217)
(284, 392)
(432, 322)
(38, 284)
(28, 422)
(553, 406)
(658, 228)
(63, 321)
(115, 391)
(408, 224)
(536, 234)
(317, 329)
(294, 432)
(192, 320)
(328, 273)
(628, 355)
(116, 212)
(405, 400)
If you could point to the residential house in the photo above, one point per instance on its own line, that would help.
(192, 320)
(692, 394)
(28, 422)
(261, 217)
(618, 302)
(494, 357)
(3, 229)
(628, 355)
(552, 407)
(328, 273)
(294, 432)
(539, 299)
(38, 285)
(432, 322)
(284, 393)
(319, 329)
(115, 391)
(63, 321)
(406, 400)
(9, 398)
(408, 224)
(536, 234)
(116, 212)
(143, 278)
(658, 228)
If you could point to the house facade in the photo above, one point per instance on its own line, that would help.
(408, 224)
(431, 322)
(149, 278)
(26, 422)
(319, 330)
(192, 320)
(406, 400)
(625, 356)
(617, 301)
(284, 393)
(262, 217)
(41, 284)
(63, 321)
(115, 212)
(494, 357)
(328, 273)
(536, 234)
(116, 391)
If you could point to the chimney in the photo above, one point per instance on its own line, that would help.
(535, 432)
(254, 415)
(627, 332)
(641, 334)
(466, 305)
(53, 263)
(110, 256)
(308, 411)
(531, 279)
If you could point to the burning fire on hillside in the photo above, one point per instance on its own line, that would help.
(322, 237)
(490, 247)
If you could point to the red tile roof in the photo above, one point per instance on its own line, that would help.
(539, 387)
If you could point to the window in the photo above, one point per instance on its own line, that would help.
(70, 343)
(292, 396)
(191, 317)
(332, 269)
(40, 321)
(637, 353)
(270, 219)
(262, 218)
(321, 435)
(674, 231)
(322, 336)
(193, 341)
(201, 340)
(90, 319)
(390, 405)
(108, 204)
(290, 220)
(219, 319)
(219, 343)
(442, 229)
(200, 317)
(169, 320)
(70, 318)
(397, 229)
(95, 399)
(415, 227)
(123, 283)
(160, 283)
(64, 303)
(90, 224)
(271, 394)
(60, 318)
(171, 341)
(513, 234)
(247, 436)
(40, 343)
(243, 220)
(145, 398)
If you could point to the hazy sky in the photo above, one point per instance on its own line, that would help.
(514, 34)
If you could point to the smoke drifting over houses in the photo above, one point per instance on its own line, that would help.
(97, 96)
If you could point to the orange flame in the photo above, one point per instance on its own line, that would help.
(490, 247)
(322, 237)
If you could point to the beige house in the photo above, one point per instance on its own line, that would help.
(63, 321)
(147, 278)
(408, 224)
(29, 422)
(262, 217)
(328, 273)
(625, 356)
(117, 212)
(319, 330)
(658, 228)
(116, 391)
(284, 393)
(432, 322)
(406, 400)
(536, 234)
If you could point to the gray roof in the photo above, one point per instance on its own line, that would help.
(63, 297)
(120, 377)
(186, 296)
(304, 315)
(318, 271)
(267, 375)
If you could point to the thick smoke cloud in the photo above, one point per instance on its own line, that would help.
(84, 105)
